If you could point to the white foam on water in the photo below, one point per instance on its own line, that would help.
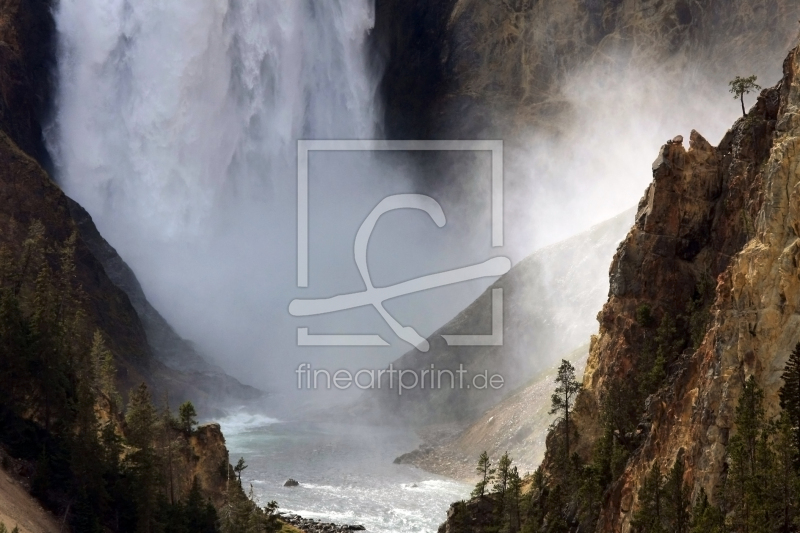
(345, 476)
(242, 422)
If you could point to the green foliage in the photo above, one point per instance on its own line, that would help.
(649, 515)
(57, 374)
(485, 473)
(513, 502)
(762, 492)
(609, 454)
(239, 468)
(200, 516)
(663, 501)
(141, 463)
(563, 399)
(676, 498)
(459, 519)
(706, 518)
(661, 351)
(502, 475)
(240, 514)
(790, 396)
(784, 479)
(187, 417)
(741, 86)
(644, 316)
(103, 371)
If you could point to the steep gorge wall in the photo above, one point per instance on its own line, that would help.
(27, 60)
(471, 67)
(732, 214)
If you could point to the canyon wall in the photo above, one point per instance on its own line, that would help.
(731, 215)
(470, 67)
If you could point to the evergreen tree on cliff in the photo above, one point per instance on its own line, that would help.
(676, 498)
(485, 473)
(513, 520)
(562, 401)
(503, 475)
(749, 479)
(706, 518)
(741, 86)
(141, 419)
(187, 416)
(790, 397)
(648, 517)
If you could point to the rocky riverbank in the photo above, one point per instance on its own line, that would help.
(517, 425)
(308, 525)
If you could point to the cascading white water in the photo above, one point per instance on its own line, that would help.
(166, 109)
(176, 127)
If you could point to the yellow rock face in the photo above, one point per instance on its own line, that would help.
(730, 212)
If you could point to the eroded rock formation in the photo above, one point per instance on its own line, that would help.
(730, 214)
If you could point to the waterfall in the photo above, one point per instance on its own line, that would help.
(167, 109)
(176, 126)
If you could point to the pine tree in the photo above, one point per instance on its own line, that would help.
(649, 515)
(706, 518)
(200, 516)
(239, 468)
(659, 354)
(790, 397)
(562, 401)
(33, 258)
(741, 86)
(187, 417)
(485, 473)
(502, 475)
(15, 352)
(45, 337)
(784, 480)
(141, 419)
(747, 484)
(241, 515)
(167, 425)
(554, 506)
(104, 372)
(676, 498)
(512, 502)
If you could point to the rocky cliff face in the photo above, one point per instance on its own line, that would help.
(27, 51)
(28, 194)
(464, 67)
(207, 460)
(729, 214)
(167, 346)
